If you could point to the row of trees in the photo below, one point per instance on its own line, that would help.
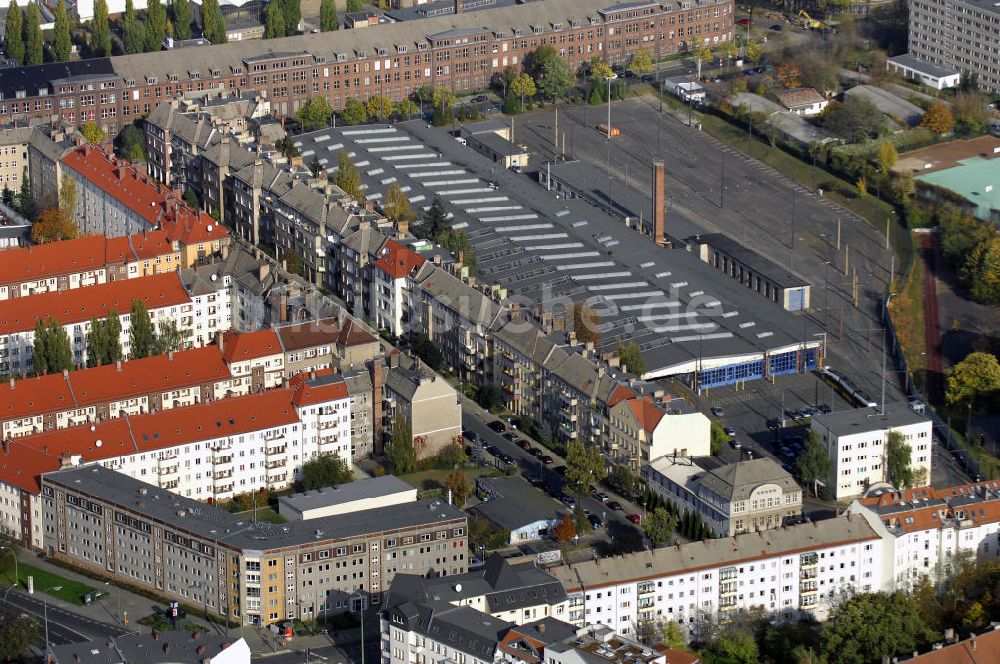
(23, 39)
(282, 18)
(53, 351)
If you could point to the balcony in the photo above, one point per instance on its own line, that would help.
(221, 490)
(808, 587)
(273, 450)
(808, 560)
(646, 588)
(222, 460)
(169, 486)
(728, 588)
(169, 470)
(271, 465)
(645, 602)
(808, 573)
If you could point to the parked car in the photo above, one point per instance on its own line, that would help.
(470, 435)
(511, 436)
(568, 500)
(523, 444)
(595, 521)
(825, 408)
(535, 452)
(743, 21)
(507, 458)
(548, 461)
(492, 450)
(718, 411)
(634, 518)
(773, 424)
(479, 99)
(729, 431)
(516, 168)
(615, 506)
(497, 426)
(558, 470)
(735, 442)
(601, 496)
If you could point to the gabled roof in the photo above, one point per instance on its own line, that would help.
(792, 99)
(353, 334)
(320, 387)
(33, 396)
(159, 206)
(618, 394)
(646, 412)
(308, 334)
(22, 465)
(736, 481)
(82, 304)
(397, 261)
(242, 346)
(53, 259)
(168, 428)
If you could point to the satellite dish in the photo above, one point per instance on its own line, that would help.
(99, 443)
(209, 228)
(458, 587)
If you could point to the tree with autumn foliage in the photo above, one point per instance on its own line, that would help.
(789, 75)
(53, 225)
(566, 529)
(938, 119)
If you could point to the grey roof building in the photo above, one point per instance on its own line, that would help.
(855, 420)
(356, 496)
(156, 648)
(193, 534)
(897, 108)
(514, 505)
(733, 498)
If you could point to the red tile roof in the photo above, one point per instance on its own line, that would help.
(646, 412)
(308, 391)
(84, 253)
(800, 97)
(23, 465)
(677, 656)
(982, 649)
(168, 428)
(396, 260)
(82, 304)
(86, 387)
(34, 396)
(241, 346)
(619, 394)
(157, 204)
(54, 259)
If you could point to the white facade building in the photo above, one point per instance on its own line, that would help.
(198, 317)
(925, 530)
(790, 572)
(856, 441)
(394, 302)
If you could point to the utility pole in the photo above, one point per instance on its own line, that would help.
(838, 233)
(555, 140)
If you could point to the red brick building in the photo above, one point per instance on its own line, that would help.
(454, 50)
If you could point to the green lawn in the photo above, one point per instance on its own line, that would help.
(908, 317)
(160, 622)
(434, 479)
(264, 514)
(48, 583)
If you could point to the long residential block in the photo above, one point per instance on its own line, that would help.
(199, 317)
(794, 571)
(255, 573)
(454, 51)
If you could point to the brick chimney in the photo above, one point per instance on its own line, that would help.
(659, 203)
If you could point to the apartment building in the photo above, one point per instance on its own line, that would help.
(199, 317)
(960, 36)
(641, 429)
(790, 572)
(856, 441)
(394, 301)
(215, 450)
(255, 354)
(470, 618)
(114, 198)
(142, 385)
(457, 318)
(126, 530)
(454, 51)
(926, 531)
(85, 261)
(741, 497)
(21, 468)
(14, 157)
(428, 402)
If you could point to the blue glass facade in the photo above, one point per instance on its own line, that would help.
(784, 363)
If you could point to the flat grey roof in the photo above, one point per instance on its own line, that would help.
(553, 251)
(763, 266)
(516, 503)
(210, 522)
(923, 66)
(372, 487)
(846, 422)
(166, 648)
(887, 103)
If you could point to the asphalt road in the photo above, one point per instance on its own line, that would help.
(63, 626)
